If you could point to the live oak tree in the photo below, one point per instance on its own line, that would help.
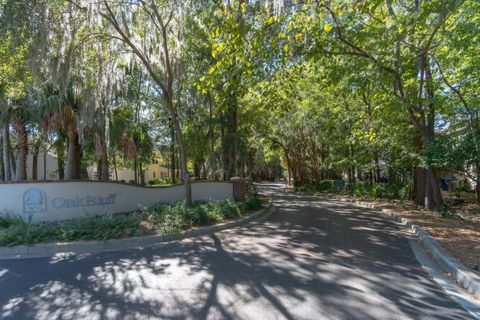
(398, 38)
(158, 52)
(457, 65)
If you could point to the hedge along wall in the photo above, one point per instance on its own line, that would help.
(53, 201)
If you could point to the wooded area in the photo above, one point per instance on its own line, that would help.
(378, 91)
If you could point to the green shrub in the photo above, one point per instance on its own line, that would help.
(376, 191)
(252, 191)
(7, 219)
(354, 188)
(20, 232)
(349, 188)
(465, 185)
(172, 218)
(168, 218)
(306, 186)
(404, 192)
(326, 186)
(357, 190)
(253, 203)
(458, 193)
(100, 228)
(253, 199)
(390, 191)
(302, 188)
(447, 212)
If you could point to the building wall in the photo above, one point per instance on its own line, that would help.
(156, 171)
(126, 175)
(53, 201)
(152, 171)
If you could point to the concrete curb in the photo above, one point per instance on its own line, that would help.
(463, 276)
(50, 249)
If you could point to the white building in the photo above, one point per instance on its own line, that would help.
(151, 171)
(47, 169)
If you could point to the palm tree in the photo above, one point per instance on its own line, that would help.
(59, 113)
(132, 137)
(5, 128)
(20, 115)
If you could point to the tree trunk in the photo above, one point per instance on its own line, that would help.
(78, 162)
(36, 151)
(419, 186)
(230, 143)
(477, 182)
(392, 177)
(99, 170)
(72, 170)
(196, 169)
(477, 189)
(6, 152)
(251, 160)
(141, 174)
(377, 170)
(70, 165)
(2, 168)
(181, 149)
(211, 135)
(135, 170)
(177, 164)
(289, 178)
(102, 153)
(172, 152)
(435, 186)
(13, 162)
(204, 171)
(428, 202)
(289, 166)
(21, 161)
(60, 146)
(115, 166)
(351, 165)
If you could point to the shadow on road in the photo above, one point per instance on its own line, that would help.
(312, 259)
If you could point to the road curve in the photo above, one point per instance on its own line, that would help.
(311, 259)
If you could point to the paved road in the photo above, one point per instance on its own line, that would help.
(312, 259)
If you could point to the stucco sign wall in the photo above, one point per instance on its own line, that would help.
(53, 201)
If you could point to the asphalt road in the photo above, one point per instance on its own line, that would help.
(311, 259)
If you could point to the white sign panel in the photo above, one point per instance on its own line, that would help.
(53, 201)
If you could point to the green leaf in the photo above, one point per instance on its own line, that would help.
(328, 27)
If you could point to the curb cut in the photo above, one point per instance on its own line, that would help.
(463, 276)
(96, 246)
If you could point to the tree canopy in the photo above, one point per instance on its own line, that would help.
(378, 91)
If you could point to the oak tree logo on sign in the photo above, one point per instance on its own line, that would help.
(34, 200)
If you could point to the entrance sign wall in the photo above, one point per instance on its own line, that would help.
(54, 201)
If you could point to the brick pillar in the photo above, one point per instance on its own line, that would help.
(239, 189)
